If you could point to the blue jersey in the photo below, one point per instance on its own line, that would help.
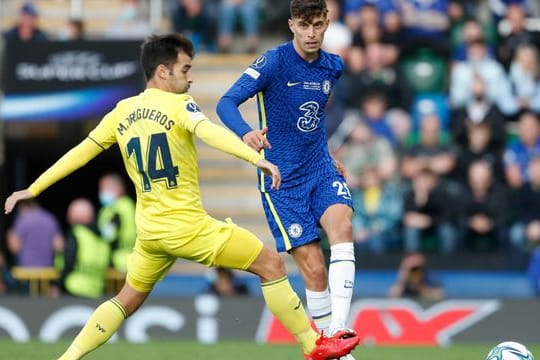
(291, 98)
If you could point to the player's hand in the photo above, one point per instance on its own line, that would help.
(14, 198)
(257, 140)
(271, 170)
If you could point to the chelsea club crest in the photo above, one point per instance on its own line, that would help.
(326, 86)
(295, 230)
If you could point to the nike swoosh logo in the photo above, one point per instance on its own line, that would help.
(289, 84)
(298, 306)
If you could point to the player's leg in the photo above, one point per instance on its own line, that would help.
(311, 264)
(104, 322)
(145, 267)
(245, 251)
(332, 206)
(336, 221)
(295, 230)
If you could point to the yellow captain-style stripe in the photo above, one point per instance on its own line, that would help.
(279, 223)
(260, 98)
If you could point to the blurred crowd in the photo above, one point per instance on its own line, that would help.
(82, 254)
(211, 24)
(436, 117)
(436, 121)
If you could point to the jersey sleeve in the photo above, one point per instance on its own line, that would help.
(189, 114)
(255, 78)
(259, 74)
(71, 161)
(222, 139)
(103, 134)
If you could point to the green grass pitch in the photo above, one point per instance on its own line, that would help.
(169, 350)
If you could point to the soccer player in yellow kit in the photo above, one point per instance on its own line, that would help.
(155, 134)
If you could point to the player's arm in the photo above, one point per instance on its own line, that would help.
(254, 79)
(71, 161)
(227, 109)
(223, 140)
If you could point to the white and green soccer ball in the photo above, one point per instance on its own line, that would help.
(510, 350)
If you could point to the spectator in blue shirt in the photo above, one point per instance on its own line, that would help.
(425, 25)
(520, 152)
(374, 114)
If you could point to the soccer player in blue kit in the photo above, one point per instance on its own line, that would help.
(292, 83)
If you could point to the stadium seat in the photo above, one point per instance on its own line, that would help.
(425, 72)
(39, 278)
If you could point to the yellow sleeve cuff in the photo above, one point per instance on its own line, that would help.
(71, 161)
(226, 141)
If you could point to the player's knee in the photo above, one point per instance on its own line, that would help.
(342, 232)
(316, 274)
(273, 268)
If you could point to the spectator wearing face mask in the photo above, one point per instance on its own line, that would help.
(116, 219)
(85, 255)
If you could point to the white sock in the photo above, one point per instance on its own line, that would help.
(341, 281)
(320, 308)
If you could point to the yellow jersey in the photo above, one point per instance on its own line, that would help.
(154, 131)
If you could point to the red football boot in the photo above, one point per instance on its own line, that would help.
(332, 347)
(344, 333)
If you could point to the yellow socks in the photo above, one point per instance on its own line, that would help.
(103, 323)
(279, 296)
(287, 307)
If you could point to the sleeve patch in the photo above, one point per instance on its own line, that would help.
(253, 73)
(259, 62)
(192, 107)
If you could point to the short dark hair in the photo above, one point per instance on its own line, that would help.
(308, 9)
(163, 49)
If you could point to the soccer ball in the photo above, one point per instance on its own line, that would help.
(510, 350)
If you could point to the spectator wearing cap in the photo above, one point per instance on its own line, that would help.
(26, 29)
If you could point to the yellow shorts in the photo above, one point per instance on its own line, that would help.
(217, 244)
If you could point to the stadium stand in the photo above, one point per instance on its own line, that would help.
(229, 186)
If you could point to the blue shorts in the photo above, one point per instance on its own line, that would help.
(293, 214)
